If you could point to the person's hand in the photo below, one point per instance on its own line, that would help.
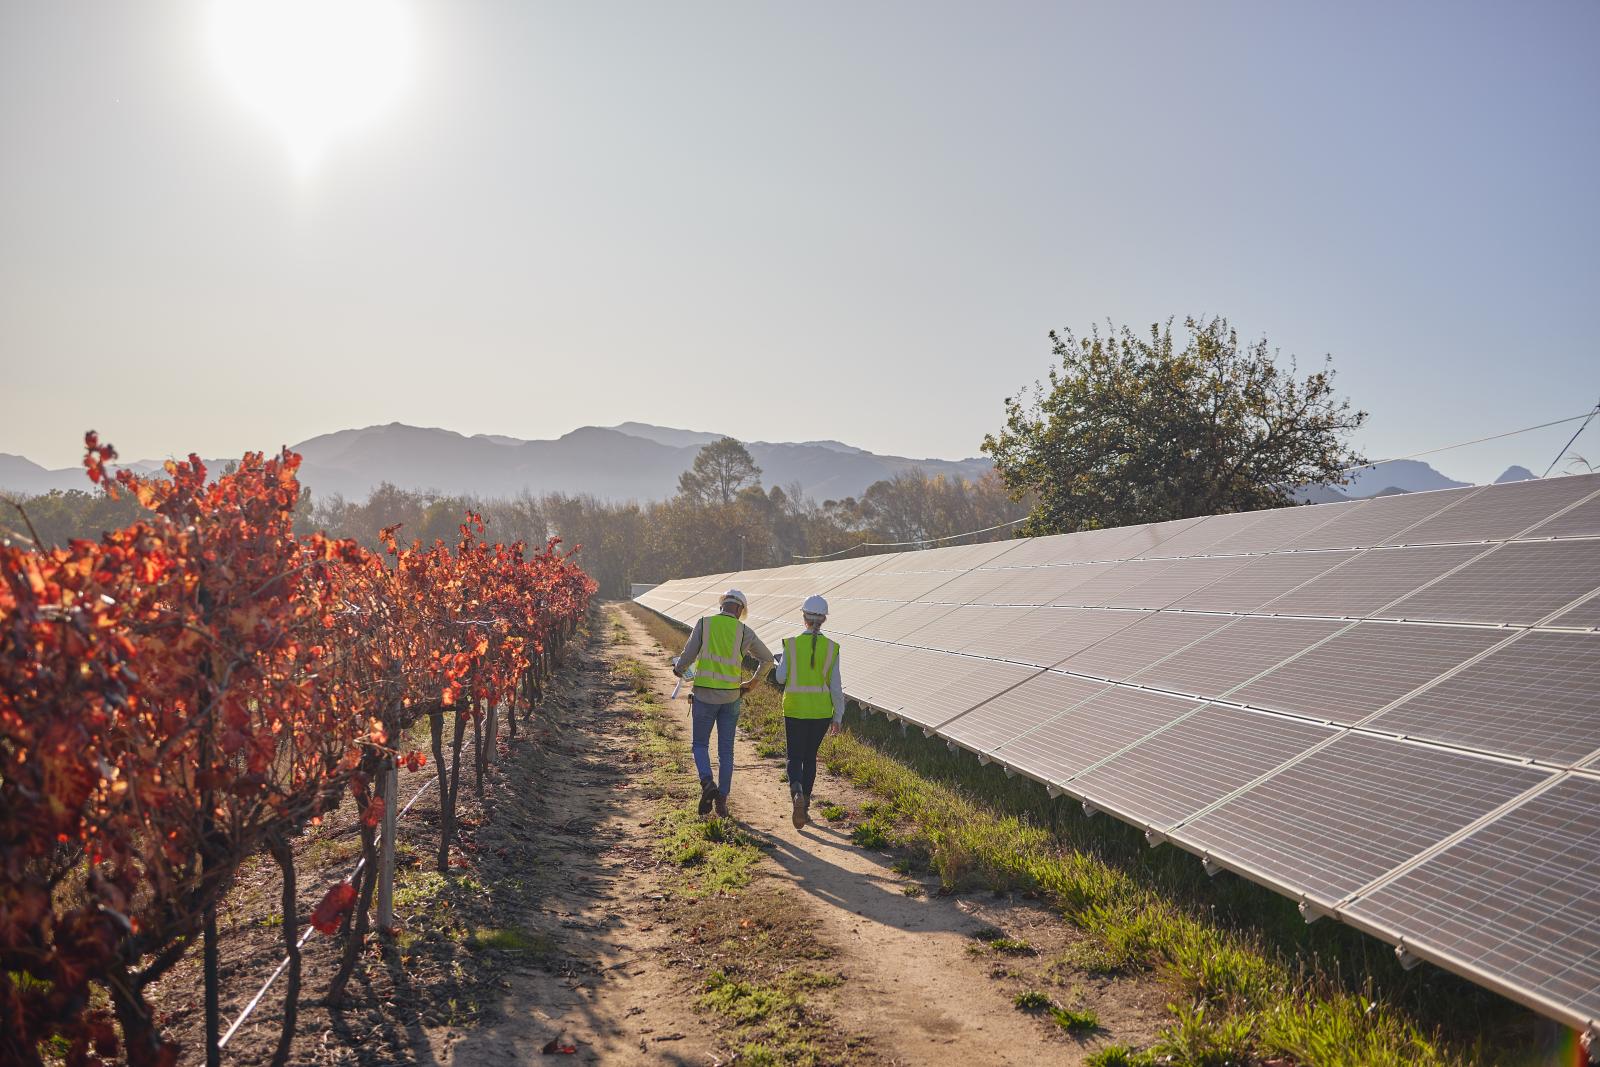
(833, 729)
(677, 670)
(746, 687)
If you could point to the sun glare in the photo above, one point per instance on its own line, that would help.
(313, 69)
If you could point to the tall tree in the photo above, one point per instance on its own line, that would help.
(720, 471)
(1133, 428)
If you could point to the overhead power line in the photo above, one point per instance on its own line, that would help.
(1586, 416)
(1571, 439)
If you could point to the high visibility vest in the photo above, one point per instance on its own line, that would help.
(719, 665)
(808, 675)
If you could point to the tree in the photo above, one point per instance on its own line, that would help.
(719, 472)
(1132, 429)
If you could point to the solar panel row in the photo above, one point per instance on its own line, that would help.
(1388, 709)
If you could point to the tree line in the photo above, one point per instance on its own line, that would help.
(1129, 426)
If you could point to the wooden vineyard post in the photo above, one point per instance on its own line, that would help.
(386, 851)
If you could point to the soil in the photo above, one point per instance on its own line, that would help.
(558, 926)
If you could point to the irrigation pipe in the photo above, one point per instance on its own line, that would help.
(255, 1001)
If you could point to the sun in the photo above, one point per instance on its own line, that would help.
(313, 69)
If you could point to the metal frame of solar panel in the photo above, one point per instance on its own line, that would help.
(1386, 709)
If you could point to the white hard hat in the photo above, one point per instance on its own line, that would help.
(814, 605)
(737, 597)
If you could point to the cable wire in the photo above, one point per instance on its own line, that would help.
(1571, 439)
(1586, 416)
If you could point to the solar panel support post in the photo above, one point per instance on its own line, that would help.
(1011, 772)
(1053, 791)
(927, 731)
(1089, 808)
(1408, 959)
(950, 745)
(1210, 866)
(1310, 912)
(1154, 837)
(983, 759)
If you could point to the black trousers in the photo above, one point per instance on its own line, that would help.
(804, 737)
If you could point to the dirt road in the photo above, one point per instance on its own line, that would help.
(917, 985)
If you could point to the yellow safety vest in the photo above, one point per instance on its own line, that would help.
(807, 689)
(719, 665)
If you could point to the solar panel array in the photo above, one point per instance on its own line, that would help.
(1388, 709)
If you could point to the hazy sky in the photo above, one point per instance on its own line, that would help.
(786, 221)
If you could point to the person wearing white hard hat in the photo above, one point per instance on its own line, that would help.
(716, 650)
(813, 701)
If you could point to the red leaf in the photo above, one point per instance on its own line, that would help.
(374, 813)
(554, 1047)
(338, 902)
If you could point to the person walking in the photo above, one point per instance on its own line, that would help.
(716, 651)
(813, 701)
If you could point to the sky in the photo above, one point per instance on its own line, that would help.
(782, 221)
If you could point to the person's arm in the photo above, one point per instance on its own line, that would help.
(781, 673)
(759, 652)
(836, 689)
(691, 650)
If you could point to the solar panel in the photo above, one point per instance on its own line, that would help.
(1581, 521)
(1220, 750)
(1133, 648)
(1046, 636)
(1033, 585)
(1517, 900)
(1178, 579)
(1365, 669)
(1537, 697)
(1278, 528)
(1197, 540)
(1109, 586)
(1391, 684)
(964, 628)
(1011, 714)
(849, 616)
(1347, 813)
(1371, 581)
(906, 619)
(1235, 654)
(1375, 521)
(1506, 512)
(1518, 583)
(1585, 615)
(1087, 733)
(1261, 579)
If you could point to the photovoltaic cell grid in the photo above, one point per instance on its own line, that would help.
(1315, 697)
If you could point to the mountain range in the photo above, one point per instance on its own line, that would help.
(631, 461)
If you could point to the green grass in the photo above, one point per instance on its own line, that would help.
(512, 940)
(1031, 1000)
(1269, 985)
(1119, 1056)
(834, 812)
(1075, 1022)
(875, 834)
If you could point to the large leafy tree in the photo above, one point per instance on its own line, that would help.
(1134, 428)
(720, 471)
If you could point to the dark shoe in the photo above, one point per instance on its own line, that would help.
(708, 795)
(799, 816)
(722, 806)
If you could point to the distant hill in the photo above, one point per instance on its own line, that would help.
(1406, 475)
(632, 461)
(635, 461)
(1515, 474)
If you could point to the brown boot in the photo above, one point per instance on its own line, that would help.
(799, 816)
(722, 806)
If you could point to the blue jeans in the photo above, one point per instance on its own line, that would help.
(725, 717)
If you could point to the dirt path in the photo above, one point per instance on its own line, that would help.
(918, 986)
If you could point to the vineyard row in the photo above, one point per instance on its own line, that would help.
(200, 687)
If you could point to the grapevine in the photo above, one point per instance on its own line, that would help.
(198, 688)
